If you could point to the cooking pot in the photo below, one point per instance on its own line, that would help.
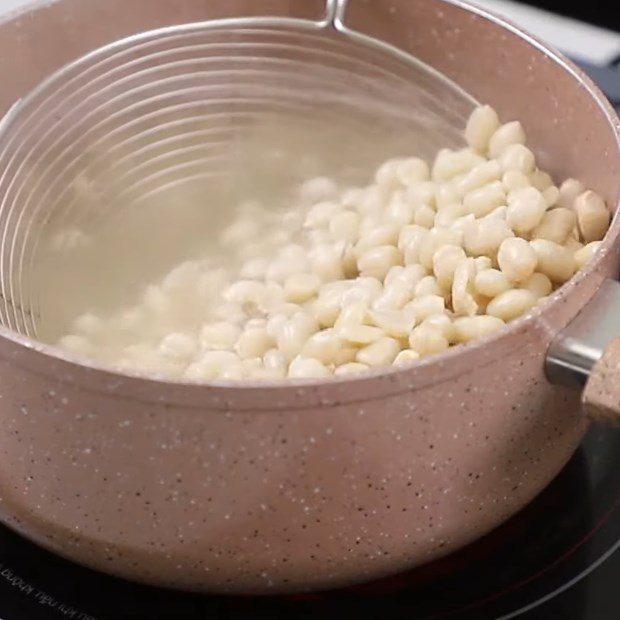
(303, 485)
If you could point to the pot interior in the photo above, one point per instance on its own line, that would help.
(132, 159)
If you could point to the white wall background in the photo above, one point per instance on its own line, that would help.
(9, 5)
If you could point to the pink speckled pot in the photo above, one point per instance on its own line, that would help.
(304, 485)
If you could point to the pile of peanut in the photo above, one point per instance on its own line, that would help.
(423, 258)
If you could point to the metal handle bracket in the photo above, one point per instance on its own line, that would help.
(578, 347)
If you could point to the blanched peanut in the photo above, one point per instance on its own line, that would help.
(424, 216)
(345, 226)
(322, 214)
(394, 297)
(326, 309)
(352, 314)
(484, 173)
(211, 365)
(517, 157)
(386, 234)
(569, 190)
(406, 355)
(541, 180)
(517, 259)
(350, 369)
(405, 276)
(585, 254)
(592, 216)
(421, 194)
(400, 212)
(572, 243)
(360, 334)
(423, 307)
(412, 170)
(252, 365)
(482, 263)
(427, 340)
(335, 289)
(556, 225)
(449, 164)
(220, 336)
(463, 289)
(469, 328)
(499, 213)
(274, 360)
(301, 286)
(307, 368)
(483, 237)
(294, 333)
(505, 136)
(515, 179)
(327, 262)
(362, 290)
(271, 297)
(443, 323)
(445, 261)
(446, 216)
(379, 353)
(427, 286)
(511, 304)
(538, 284)
(551, 195)
(411, 235)
(393, 323)
(253, 342)
(323, 346)
(482, 124)
(346, 354)
(414, 247)
(433, 241)
(386, 174)
(372, 200)
(445, 195)
(256, 322)
(461, 224)
(526, 208)
(554, 260)
(491, 283)
(485, 199)
(377, 261)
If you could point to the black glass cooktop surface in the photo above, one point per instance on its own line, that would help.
(600, 13)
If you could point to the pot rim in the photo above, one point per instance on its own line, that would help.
(240, 395)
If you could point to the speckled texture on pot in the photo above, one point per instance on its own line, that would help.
(303, 486)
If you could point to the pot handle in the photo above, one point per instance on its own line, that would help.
(586, 355)
(601, 395)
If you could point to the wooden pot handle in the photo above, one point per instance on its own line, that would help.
(601, 396)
